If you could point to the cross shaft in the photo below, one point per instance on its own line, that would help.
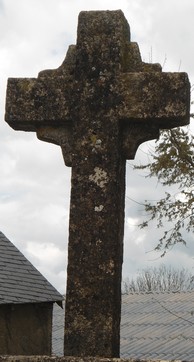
(98, 106)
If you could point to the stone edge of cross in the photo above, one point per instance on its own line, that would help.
(37, 104)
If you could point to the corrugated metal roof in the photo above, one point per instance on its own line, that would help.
(20, 281)
(58, 330)
(158, 325)
(153, 326)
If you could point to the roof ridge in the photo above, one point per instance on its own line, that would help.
(160, 292)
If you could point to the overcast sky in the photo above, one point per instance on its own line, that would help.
(34, 183)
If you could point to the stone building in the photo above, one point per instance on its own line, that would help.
(26, 304)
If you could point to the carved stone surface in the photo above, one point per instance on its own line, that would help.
(98, 106)
(72, 359)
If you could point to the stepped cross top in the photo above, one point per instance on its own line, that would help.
(99, 105)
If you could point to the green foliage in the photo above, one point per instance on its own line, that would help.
(173, 163)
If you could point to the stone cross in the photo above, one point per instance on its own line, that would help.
(99, 105)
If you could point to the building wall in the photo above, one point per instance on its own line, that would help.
(26, 329)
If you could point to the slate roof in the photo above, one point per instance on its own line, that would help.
(20, 281)
(153, 326)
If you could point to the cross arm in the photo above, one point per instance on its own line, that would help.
(162, 98)
(32, 103)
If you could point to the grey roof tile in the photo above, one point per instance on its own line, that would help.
(158, 325)
(20, 281)
(153, 326)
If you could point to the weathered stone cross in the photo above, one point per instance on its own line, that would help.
(99, 105)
